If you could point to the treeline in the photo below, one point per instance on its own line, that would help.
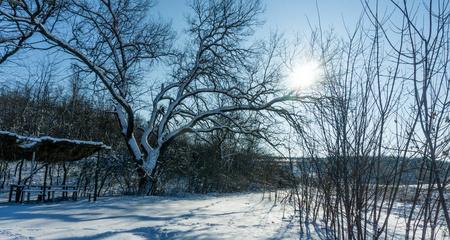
(410, 173)
(41, 108)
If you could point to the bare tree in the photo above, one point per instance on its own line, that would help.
(381, 125)
(427, 58)
(217, 73)
(16, 33)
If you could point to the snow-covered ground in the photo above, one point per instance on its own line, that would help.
(238, 216)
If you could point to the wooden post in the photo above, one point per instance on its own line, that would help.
(45, 182)
(21, 195)
(33, 159)
(11, 189)
(50, 175)
(64, 194)
(96, 177)
(19, 181)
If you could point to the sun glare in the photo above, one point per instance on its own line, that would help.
(303, 75)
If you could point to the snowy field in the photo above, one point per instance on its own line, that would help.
(238, 216)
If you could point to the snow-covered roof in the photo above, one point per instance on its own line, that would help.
(46, 148)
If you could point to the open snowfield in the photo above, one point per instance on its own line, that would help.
(239, 216)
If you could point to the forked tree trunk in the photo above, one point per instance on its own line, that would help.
(144, 179)
(147, 173)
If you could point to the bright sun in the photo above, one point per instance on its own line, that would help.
(303, 75)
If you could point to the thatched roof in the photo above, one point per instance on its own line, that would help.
(47, 149)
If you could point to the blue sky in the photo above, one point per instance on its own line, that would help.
(286, 16)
